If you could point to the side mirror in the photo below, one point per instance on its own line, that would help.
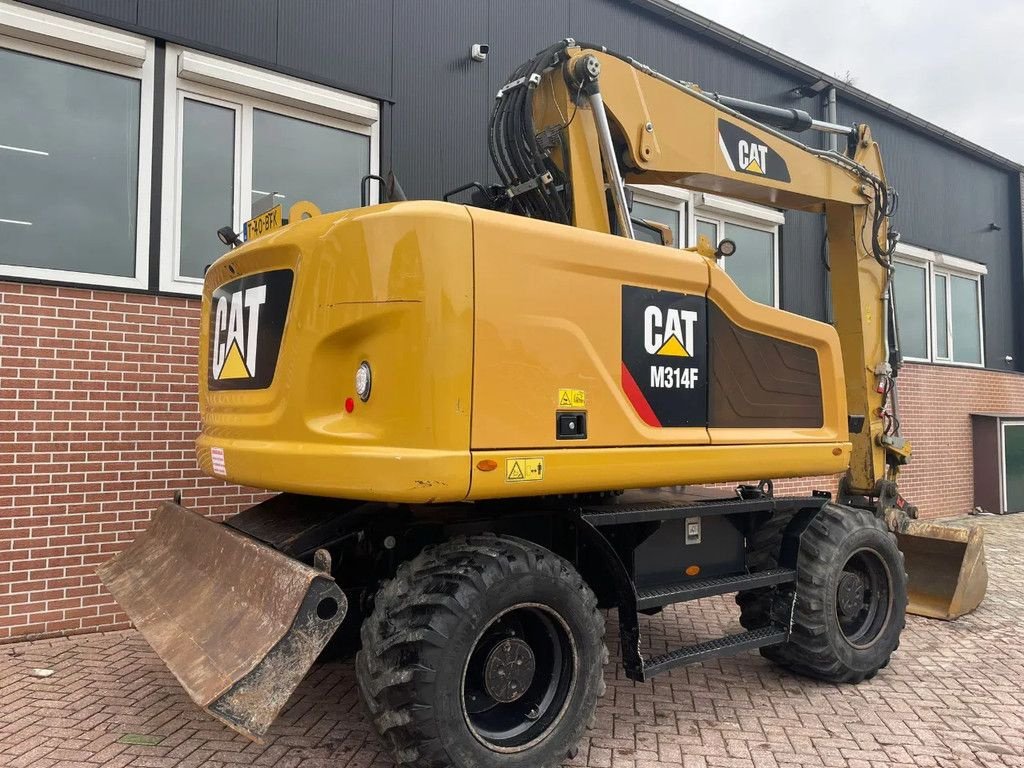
(653, 232)
(664, 230)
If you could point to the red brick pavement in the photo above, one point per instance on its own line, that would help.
(953, 696)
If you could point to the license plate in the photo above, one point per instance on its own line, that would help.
(264, 223)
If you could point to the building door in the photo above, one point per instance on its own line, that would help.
(1013, 466)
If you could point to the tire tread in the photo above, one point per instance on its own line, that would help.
(809, 651)
(417, 610)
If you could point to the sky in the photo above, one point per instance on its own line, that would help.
(958, 65)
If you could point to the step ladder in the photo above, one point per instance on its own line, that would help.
(633, 599)
(715, 648)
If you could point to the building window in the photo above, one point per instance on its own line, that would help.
(664, 205)
(911, 285)
(938, 306)
(239, 140)
(755, 230)
(75, 149)
(208, 183)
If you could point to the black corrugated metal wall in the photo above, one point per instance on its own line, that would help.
(413, 56)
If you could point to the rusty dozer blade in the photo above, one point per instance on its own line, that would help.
(238, 623)
(945, 569)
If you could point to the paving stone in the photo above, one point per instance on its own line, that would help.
(953, 697)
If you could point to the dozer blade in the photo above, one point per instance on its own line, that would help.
(238, 623)
(945, 569)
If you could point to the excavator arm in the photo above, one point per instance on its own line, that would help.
(607, 120)
(577, 123)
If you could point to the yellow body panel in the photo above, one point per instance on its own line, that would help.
(568, 470)
(754, 316)
(390, 284)
(473, 321)
(548, 317)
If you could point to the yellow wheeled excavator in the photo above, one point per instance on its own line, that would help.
(487, 422)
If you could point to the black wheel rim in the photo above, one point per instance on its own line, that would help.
(519, 678)
(864, 598)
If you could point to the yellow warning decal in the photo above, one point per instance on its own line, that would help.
(673, 347)
(572, 398)
(234, 365)
(524, 470)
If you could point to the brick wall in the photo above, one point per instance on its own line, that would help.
(98, 414)
(97, 420)
(935, 406)
(935, 403)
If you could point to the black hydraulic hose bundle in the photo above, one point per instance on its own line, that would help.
(534, 185)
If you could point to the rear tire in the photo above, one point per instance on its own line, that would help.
(483, 652)
(851, 598)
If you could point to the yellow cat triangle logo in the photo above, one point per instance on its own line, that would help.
(234, 365)
(673, 347)
(754, 167)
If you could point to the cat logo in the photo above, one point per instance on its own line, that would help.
(753, 157)
(746, 153)
(669, 332)
(236, 335)
(665, 371)
(247, 318)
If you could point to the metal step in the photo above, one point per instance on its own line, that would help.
(714, 649)
(655, 511)
(655, 597)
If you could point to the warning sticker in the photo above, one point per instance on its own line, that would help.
(572, 398)
(524, 470)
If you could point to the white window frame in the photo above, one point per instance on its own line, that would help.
(225, 83)
(936, 263)
(60, 38)
(720, 211)
(672, 198)
(1004, 502)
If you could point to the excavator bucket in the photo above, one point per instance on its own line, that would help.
(945, 567)
(238, 623)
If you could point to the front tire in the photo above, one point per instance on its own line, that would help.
(482, 652)
(850, 602)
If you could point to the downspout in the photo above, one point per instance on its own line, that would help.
(830, 116)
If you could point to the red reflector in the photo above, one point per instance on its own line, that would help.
(350, 405)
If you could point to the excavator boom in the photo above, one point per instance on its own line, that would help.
(647, 129)
(622, 122)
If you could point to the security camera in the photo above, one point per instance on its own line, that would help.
(479, 51)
